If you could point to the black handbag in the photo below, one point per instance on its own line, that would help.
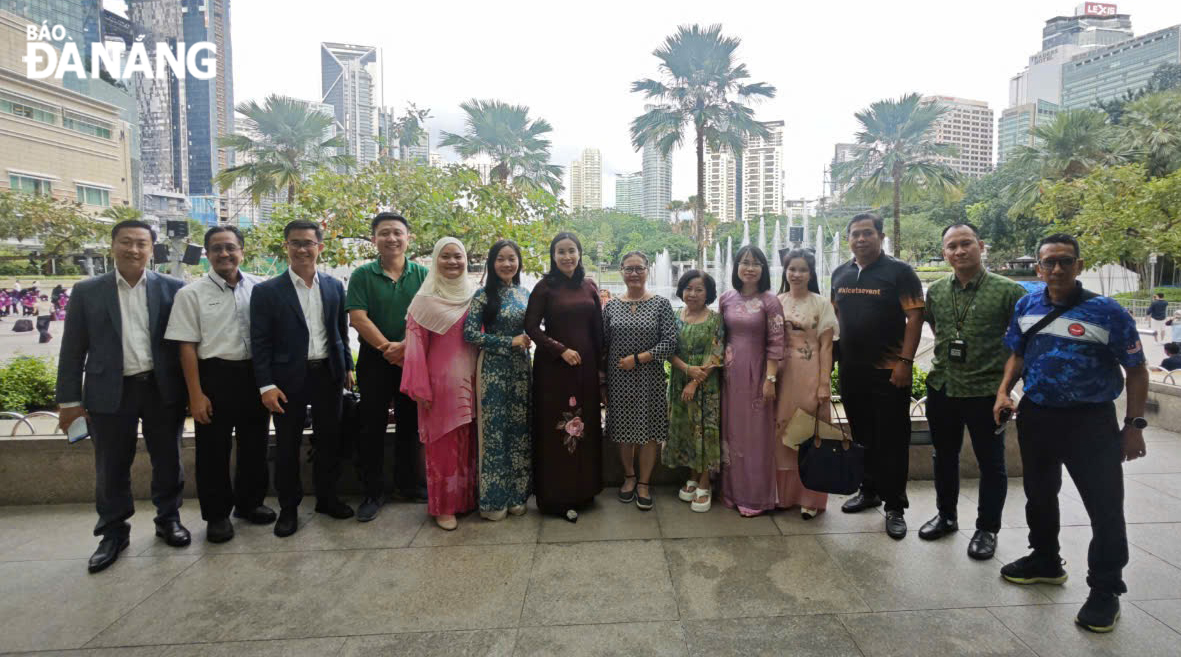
(831, 466)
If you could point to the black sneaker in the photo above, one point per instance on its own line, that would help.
(1035, 569)
(368, 509)
(1099, 613)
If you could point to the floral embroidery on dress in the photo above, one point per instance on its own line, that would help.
(753, 305)
(571, 426)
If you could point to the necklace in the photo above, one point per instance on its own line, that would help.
(634, 304)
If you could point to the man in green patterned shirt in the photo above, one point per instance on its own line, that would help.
(969, 312)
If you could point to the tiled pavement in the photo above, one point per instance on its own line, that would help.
(669, 582)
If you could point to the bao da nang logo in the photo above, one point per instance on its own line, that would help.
(42, 59)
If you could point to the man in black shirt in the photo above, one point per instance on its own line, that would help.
(1157, 311)
(1172, 359)
(879, 303)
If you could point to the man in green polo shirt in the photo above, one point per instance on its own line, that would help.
(969, 312)
(379, 295)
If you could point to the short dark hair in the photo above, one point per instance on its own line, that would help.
(757, 253)
(633, 254)
(225, 228)
(961, 224)
(132, 223)
(1159, 295)
(387, 216)
(303, 224)
(1172, 348)
(866, 216)
(810, 259)
(711, 286)
(1058, 238)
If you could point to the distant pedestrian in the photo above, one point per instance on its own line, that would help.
(1157, 311)
(1175, 324)
(1172, 359)
(44, 309)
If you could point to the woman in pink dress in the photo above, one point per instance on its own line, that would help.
(754, 347)
(810, 325)
(440, 375)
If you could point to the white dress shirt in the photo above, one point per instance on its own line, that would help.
(137, 337)
(313, 314)
(214, 315)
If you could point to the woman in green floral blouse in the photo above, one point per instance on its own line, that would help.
(694, 391)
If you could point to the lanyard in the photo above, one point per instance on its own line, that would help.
(955, 311)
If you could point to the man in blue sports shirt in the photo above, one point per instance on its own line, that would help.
(1068, 345)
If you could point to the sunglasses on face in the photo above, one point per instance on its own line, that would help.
(1050, 263)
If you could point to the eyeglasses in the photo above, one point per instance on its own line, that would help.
(223, 248)
(300, 245)
(634, 270)
(1050, 263)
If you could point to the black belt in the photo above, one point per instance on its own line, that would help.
(317, 364)
(237, 364)
(142, 376)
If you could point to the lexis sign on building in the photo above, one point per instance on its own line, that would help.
(42, 59)
(1100, 9)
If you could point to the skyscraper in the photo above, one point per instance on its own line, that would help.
(1017, 124)
(82, 19)
(1109, 72)
(161, 100)
(762, 173)
(347, 85)
(842, 153)
(721, 184)
(210, 103)
(629, 192)
(1093, 25)
(658, 183)
(968, 126)
(586, 180)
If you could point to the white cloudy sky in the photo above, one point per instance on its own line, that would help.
(572, 63)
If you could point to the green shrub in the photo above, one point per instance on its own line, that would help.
(918, 382)
(1171, 294)
(933, 268)
(27, 384)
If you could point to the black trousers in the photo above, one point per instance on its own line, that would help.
(1088, 442)
(879, 417)
(380, 382)
(115, 437)
(947, 417)
(238, 410)
(324, 394)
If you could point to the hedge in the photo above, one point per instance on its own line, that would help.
(27, 384)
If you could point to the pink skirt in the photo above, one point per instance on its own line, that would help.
(451, 473)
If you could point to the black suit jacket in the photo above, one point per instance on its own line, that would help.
(279, 334)
(90, 363)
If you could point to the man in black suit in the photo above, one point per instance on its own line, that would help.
(116, 369)
(299, 338)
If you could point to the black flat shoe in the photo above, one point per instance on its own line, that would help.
(107, 552)
(259, 515)
(895, 525)
(287, 523)
(629, 496)
(335, 509)
(938, 527)
(219, 531)
(643, 503)
(860, 502)
(983, 545)
(174, 533)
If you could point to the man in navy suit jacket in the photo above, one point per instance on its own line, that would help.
(299, 336)
(116, 369)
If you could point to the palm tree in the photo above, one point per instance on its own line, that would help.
(290, 146)
(408, 131)
(898, 161)
(520, 154)
(1068, 147)
(1152, 125)
(704, 87)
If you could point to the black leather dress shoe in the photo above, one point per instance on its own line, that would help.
(895, 525)
(938, 527)
(107, 552)
(219, 531)
(335, 509)
(983, 545)
(287, 523)
(860, 502)
(259, 515)
(173, 533)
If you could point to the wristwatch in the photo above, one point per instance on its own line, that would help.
(1136, 422)
(771, 378)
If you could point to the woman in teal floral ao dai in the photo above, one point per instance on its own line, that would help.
(496, 325)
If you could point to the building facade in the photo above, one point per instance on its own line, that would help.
(586, 180)
(842, 153)
(209, 103)
(762, 173)
(56, 141)
(658, 183)
(967, 125)
(1017, 124)
(347, 85)
(81, 19)
(721, 184)
(629, 192)
(1106, 73)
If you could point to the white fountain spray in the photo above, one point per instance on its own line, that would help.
(745, 233)
(823, 275)
(776, 263)
(762, 235)
(725, 280)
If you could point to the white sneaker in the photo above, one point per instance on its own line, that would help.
(687, 491)
(498, 514)
(701, 500)
(517, 509)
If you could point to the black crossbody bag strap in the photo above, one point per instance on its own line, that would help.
(1054, 314)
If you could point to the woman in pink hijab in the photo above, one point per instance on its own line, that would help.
(440, 374)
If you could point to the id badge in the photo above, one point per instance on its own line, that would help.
(957, 351)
